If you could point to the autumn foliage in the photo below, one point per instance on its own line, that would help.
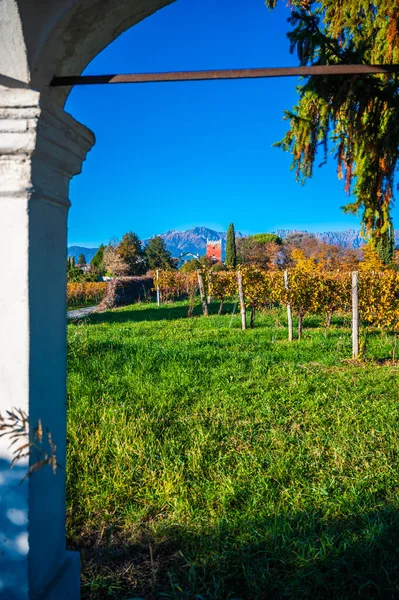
(175, 284)
(85, 293)
(312, 290)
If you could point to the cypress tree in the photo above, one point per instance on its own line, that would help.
(231, 250)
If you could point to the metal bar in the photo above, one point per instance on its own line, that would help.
(318, 70)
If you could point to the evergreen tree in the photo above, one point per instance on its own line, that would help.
(191, 266)
(74, 274)
(81, 259)
(158, 256)
(132, 253)
(97, 262)
(231, 250)
(267, 238)
(356, 115)
(206, 262)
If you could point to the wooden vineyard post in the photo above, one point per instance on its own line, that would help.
(202, 293)
(242, 301)
(355, 315)
(289, 309)
(210, 285)
(158, 291)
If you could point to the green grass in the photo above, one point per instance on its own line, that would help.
(210, 463)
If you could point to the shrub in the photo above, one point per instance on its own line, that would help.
(126, 290)
(85, 293)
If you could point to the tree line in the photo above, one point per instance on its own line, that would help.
(266, 251)
(126, 258)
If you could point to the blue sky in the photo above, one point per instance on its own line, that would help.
(177, 155)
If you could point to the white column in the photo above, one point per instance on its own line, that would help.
(41, 149)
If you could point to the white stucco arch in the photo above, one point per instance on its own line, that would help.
(44, 38)
(41, 149)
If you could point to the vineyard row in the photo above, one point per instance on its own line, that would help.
(302, 291)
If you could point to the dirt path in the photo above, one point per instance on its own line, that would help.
(81, 313)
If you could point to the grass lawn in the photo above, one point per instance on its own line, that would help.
(209, 463)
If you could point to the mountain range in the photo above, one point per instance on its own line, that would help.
(76, 251)
(193, 241)
(350, 238)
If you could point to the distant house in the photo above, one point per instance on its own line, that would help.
(214, 250)
(84, 268)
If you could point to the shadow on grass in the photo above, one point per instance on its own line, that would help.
(171, 312)
(151, 312)
(292, 557)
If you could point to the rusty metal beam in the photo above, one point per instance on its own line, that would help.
(321, 70)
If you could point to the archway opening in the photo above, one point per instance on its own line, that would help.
(193, 446)
(201, 527)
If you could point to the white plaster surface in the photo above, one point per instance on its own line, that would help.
(14, 348)
(13, 555)
(41, 148)
(13, 56)
(39, 153)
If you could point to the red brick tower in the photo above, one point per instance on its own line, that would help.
(214, 250)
